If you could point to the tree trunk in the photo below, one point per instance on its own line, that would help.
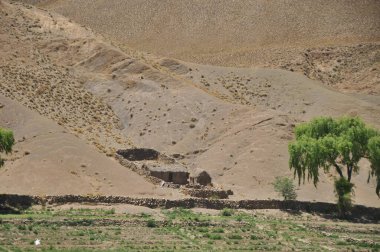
(349, 172)
(338, 169)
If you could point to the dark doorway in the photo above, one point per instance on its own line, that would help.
(170, 177)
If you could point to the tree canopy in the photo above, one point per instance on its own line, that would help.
(339, 143)
(6, 142)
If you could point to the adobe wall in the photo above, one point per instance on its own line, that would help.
(369, 213)
(179, 178)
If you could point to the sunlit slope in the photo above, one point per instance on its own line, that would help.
(336, 42)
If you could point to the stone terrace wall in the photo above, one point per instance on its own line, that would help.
(139, 154)
(142, 172)
(205, 192)
(318, 207)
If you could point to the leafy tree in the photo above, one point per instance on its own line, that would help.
(285, 188)
(374, 158)
(6, 142)
(326, 143)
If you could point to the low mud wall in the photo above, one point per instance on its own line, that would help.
(371, 213)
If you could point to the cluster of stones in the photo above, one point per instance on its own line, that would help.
(205, 192)
(318, 207)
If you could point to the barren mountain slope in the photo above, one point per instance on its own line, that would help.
(47, 160)
(336, 42)
(235, 123)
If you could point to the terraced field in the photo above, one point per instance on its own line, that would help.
(77, 229)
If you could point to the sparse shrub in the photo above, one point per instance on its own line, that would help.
(284, 187)
(254, 237)
(151, 223)
(203, 230)
(218, 230)
(206, 235)
(227, 212)
(21, 227)
(235, 237)
(215, 237)
(110, 211)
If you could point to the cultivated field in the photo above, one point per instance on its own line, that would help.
(124, 228)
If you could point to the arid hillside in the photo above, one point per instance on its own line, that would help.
(48, 160)
(233, 122)
(336, 42)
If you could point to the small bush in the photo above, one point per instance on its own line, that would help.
(21, 227)
(285, 188)
(235, 237)
(203, 230)
(110, 211)
(218, 230)
(215, 237)
(151, 223)
(254, 237)
(227, 212)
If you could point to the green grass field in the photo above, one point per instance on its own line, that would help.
(181, 230)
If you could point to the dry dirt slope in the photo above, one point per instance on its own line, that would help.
(336, 42)
(47, 160)
(211, 26)
(235, 123)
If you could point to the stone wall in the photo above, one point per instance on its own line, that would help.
(139, 154)
(362, 212)
(125, 156)
(205, 192)
(142, 172)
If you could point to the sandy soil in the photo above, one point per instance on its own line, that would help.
(336, 42)
(47, 160)
(233, 122)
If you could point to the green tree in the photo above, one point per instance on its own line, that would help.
(285, 188)
(374, 158)
(6, 142)
(326, 143)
